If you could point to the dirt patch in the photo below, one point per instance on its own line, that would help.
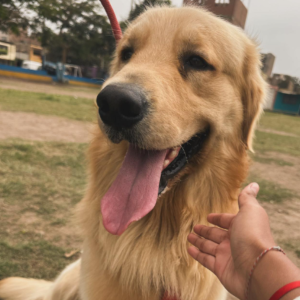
(48, 88)
(30, 126)
(286, 176)
(285, 223)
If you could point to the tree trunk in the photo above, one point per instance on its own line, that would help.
(64, 54)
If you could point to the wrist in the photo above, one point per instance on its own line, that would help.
(256, 249)
(273, 271)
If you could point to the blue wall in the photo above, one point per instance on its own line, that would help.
(21, 70)
(87, 80)
(41, 75)
(287, 103)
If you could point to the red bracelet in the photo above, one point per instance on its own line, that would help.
(285, 289)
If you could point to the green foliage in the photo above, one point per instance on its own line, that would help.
(73, 31)
(13, 16)
(140, 8)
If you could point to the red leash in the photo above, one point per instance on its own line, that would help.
(113, 20)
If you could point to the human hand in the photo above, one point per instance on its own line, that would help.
(230, 253)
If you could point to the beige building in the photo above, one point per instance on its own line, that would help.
(7, 52)
(26, 48)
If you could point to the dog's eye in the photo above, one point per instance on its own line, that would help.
(198, 63)
(126, 54)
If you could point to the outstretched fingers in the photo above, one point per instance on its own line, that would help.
(213, 234)
(221, 220)
(205, 260)
(203, 245)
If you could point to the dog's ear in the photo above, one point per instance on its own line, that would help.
(253, 94)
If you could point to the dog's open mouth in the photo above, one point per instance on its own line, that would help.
(177, 158)
(143, 176)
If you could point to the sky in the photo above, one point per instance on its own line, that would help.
(275, 24)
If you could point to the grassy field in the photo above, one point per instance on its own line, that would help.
(41, 182)
(281, 122)
(266, 141)
(39, 185)
(70, 107)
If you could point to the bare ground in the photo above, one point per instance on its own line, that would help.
(286, 176)
(30, 126)
(284, 217)
(47, 88)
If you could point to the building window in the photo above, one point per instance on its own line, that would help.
(3, 50)
(199, 2)
(290, 99)
(222, 1)
(37, 52)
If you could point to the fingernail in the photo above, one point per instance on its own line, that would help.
(254, 187)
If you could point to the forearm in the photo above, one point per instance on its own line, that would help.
(273, 272)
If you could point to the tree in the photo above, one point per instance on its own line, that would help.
(12, 15)
(140, 8)
(73, 31)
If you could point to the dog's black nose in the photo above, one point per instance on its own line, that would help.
(121, 105)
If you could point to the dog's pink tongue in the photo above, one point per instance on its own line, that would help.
(134, 192)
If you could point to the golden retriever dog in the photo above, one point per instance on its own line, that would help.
(175, 121)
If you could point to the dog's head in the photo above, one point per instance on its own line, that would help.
(182, 82)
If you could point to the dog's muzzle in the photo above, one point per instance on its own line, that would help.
(121, 106)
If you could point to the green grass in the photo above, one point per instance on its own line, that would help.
(38, 259)
(40, 173)
(269, 191)
(81, 109)
(281, 122)
(266, 160)
(40, 183)
(265, 142)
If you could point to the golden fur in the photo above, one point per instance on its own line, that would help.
(151, 255)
